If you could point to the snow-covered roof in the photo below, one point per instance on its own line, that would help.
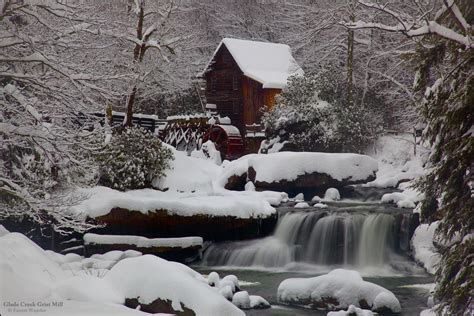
(268, 63)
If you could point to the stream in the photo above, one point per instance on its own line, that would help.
(365, 236)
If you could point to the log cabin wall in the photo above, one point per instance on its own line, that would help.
(224, 87)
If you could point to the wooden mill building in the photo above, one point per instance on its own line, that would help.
(244, 76)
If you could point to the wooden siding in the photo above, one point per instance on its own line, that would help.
(224, 87)
(234, 94)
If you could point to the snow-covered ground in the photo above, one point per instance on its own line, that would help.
(398, 168)
(72, 285)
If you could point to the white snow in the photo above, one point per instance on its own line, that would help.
(258, 302)
(289, 165)
(320, 205)
(408, 198)
(209, 152)
(188, 174)
(143, 242)
(423, 248)
(352, 311)
(223, 203)
(346, 286)
(301, 205)
(88, 288)
(3, 231)
(316, 199)
(268, 63)
(299, 197)
(149, 278)
(332, 194)
(241, 300)
(249, 186)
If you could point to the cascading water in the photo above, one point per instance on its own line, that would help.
(314, 237)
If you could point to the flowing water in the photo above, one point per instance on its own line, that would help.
(367, 237)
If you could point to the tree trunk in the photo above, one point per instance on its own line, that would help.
(350, 60)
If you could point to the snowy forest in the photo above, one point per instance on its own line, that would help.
(236, 157)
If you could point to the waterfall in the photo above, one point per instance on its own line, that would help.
(316, 237)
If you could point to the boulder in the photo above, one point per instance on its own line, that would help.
(309, 172)
(161, 223)
(336, 290)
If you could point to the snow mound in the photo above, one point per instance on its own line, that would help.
(352, 311)
(241, 300)
(148, 278)
(142, 242)
(301, 205)
(289, 165)
(338, 289)
(332, 194)
(424, 250)
(320, 205)
(88, 288)
(299, 197)
(188, 174)
(209, 152)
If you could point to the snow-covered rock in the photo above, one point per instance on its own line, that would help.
(301, 205)
(352, 311)
(320, 205)
(338, 289)
(332, 194)
(258, 302)
(286, 171)
(143, 242)
(241, 300)
(405, 199)
(423, 247)
(316, 199)
(299, 197)
(102, 200)
(149, 281)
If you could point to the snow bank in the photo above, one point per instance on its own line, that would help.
(289, 165)
(89, 289)
(26, 271)
(352, 311)
(345, 286)
(223, 203)
(148, 278)
(423, 248)
(143, 242)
